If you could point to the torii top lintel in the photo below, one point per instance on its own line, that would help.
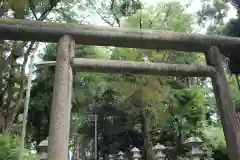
(26, 30)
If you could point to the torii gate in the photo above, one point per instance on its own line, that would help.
(66, 35)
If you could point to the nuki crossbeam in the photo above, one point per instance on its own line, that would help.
(120, 67)
(161, 69)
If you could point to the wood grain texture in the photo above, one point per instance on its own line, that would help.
(162, 69)
(120, 37)
(230, 123)
(61, 103)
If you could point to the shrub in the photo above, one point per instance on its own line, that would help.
(9, 149)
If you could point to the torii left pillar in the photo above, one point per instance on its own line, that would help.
(61, 103)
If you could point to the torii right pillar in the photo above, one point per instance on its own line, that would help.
(230, 123)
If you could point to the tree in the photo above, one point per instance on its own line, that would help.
(13, 76)
(213, 12)
(141, 97)
(9, 147)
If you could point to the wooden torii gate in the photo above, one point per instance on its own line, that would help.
(66, 35)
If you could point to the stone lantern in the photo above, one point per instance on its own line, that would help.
(158, 149)
(136, 153)
(120, 155)
(110, 157)
(43, 147)
(194, 143)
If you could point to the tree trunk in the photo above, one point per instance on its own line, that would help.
(146, 135)
(46, 127)
(38, 123)
(74, 151)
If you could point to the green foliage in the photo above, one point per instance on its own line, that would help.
(213, 11)
(235, 92)
(9, 149)
(21, 8)
(111, 12)
(14, 56)
(161, 17)
(215, 138)
(189, 103)
(232, 28)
